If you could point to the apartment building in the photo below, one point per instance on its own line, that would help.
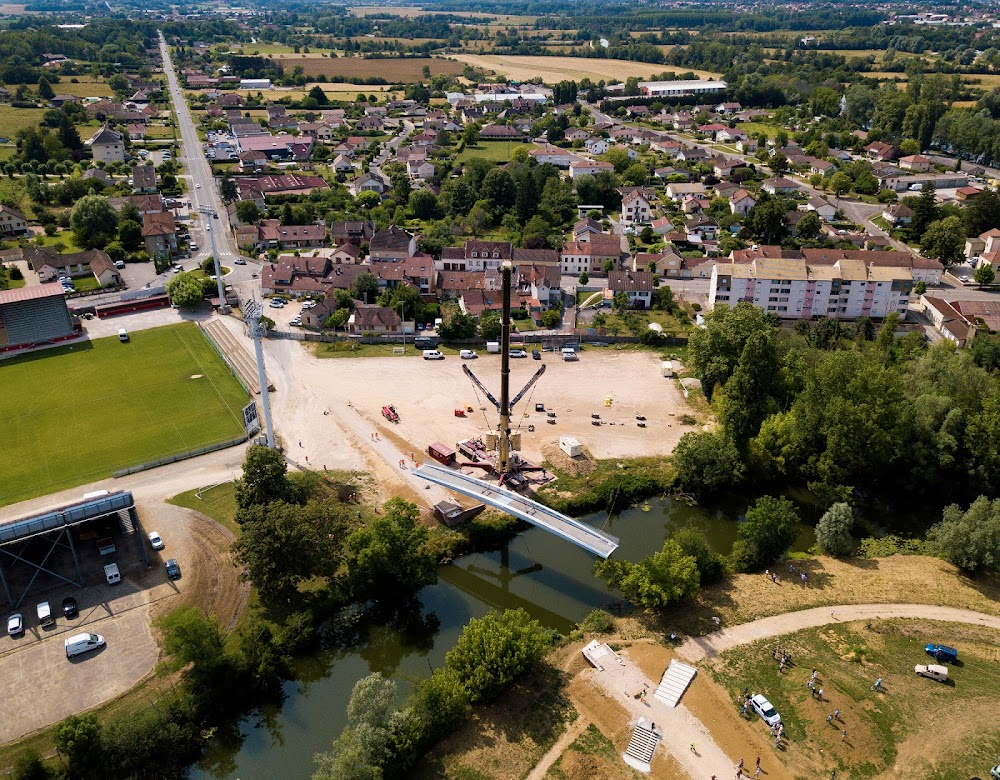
(792, 289)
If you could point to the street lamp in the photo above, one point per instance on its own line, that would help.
(212, 214)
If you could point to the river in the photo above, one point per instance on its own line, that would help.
(548, 577)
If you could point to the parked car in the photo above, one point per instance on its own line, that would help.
(276, 303)
(995, 772)
(155, 541)
(69, 608)
(15, 624)
(296, 321)
(942, 653)
(433, 354)
(193, 246)
(518, 353)
(765, 709)
(173, 569)
(932, 672)
(536, 355)
(468, 354)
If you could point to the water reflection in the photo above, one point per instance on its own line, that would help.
(552, 580)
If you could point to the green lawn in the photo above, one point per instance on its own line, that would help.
(77, 413)
(62, 242)
(916, 728)
(756, 128)
(86, 283)
(14, 119)
(217, 501)
(494, 151)
(352, 349)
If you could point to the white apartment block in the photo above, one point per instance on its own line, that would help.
(846, 290)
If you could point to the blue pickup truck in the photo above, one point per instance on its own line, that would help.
(942, 653)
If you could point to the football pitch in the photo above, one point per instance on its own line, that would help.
(75, 414)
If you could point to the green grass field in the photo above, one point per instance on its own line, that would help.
(14, 119)
(494, 151)
(916, 728)
(77, 413)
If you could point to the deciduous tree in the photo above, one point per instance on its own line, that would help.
(833, 531)
(969, 539)
(662, 579)
(495, 650)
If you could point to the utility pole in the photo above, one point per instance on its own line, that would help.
(402, 321)
(211, 214)
(252, 311)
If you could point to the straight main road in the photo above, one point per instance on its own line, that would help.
(203, 190)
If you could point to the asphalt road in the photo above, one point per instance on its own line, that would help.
(204, 194)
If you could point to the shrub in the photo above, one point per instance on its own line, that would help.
(711, 566)
(833, 531)
(662, 579)
(770, 528)
(598, 621)
(886, 546)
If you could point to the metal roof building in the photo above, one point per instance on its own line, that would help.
(32, 315)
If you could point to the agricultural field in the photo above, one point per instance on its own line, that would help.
(82, 86)
(555, 69)
(75, 414)
(899, 731)
(394, 70)
(14, 119)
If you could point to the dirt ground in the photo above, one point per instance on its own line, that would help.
(426, 393)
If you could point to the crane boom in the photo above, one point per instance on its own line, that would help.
(524, 389)
(489, 395)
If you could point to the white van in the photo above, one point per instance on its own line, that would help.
(122, 334)
(433, 354)
(112, 574)
(78, 644)
(932, 672)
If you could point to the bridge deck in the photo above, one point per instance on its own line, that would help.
(567, 528)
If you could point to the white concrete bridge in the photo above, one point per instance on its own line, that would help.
(580, 534)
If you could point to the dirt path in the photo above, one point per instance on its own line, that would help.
(569, 736)
(684, 736)
(710, 645)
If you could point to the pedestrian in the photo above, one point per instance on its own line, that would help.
(815, 673)
(878, 685)
(791, 568)
(740, 764)
(820, 694)
(836, 714)
(300, 442)
(767, 573)
(833, 775)
(746, 691)
(809, 685)
(832, 617)
(692, 748)
(743, 710)
(843, 735)
(756, 773)
(758, 762)
(803, 577)
(829, 718)
(777, 742)
(307, 458)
